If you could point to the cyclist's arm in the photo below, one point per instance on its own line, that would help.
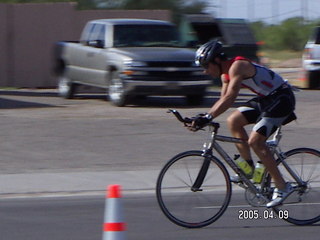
(225, 81)
(226, 100)
(239, 71)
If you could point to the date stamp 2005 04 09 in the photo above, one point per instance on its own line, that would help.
(253, 214)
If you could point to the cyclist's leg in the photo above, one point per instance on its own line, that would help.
(274, 113)
(257, 142)
(236, 122)
(244, 115)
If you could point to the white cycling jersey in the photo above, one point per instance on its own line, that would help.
(264, 82)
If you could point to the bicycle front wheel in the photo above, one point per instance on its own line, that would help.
(302, 207)
(185, 205)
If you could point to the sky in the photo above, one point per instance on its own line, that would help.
(269, 11)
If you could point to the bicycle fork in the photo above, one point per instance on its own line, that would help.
(196, 187)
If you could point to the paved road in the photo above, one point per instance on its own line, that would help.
(81, 218)
(52, 145)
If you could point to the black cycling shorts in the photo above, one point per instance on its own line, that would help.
(270, 112)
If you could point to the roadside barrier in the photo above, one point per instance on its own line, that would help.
(114, 226)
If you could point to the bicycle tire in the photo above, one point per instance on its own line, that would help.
(301, 207)
(187, 208)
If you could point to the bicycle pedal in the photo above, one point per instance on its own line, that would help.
(236, 179)
(240, 184)
(236, 182)
(196, 189)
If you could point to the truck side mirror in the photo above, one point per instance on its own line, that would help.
(192, 44)
(96, 43)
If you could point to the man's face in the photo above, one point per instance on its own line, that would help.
(213, 70)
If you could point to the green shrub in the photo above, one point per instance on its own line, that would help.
(292, 34)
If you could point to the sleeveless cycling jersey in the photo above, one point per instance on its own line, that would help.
(264, 82)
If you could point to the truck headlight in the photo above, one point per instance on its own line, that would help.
(132, 63)
(196, 63)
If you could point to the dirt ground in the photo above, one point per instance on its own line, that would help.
(291, 63)
(291, 70)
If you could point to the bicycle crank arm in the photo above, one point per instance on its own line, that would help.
(194, 189)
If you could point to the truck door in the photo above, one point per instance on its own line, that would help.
(95, 57)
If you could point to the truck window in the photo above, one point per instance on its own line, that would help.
(207, 31)
(86, 32)
(145, 35)
(97, 33)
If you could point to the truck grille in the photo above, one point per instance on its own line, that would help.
(170, 64)
(168, 76)
(164, 74)
(168, 71)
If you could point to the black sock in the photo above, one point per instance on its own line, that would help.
(250, 162)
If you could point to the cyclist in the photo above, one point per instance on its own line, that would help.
(273, 106)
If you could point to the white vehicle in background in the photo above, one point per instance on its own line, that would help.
(311, 59)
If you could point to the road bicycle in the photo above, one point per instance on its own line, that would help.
(194, 187)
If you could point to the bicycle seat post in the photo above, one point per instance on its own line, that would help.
(274, 142)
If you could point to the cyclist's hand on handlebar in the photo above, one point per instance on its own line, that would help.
(199, 122)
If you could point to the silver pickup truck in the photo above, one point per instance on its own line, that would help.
(130, 57)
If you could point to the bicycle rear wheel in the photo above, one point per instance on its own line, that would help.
(302, 207)
(186, 206)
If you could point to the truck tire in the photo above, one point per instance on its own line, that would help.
(116, 91)
(195, 99)
(314, 79)
(66, 88)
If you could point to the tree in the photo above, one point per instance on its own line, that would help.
(33, 1)
(178, 7)
(291, 34)
(109, 4)
(174, 5)
(191, 6)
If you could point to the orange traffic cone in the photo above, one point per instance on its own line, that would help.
(114, 227)
(303, 79)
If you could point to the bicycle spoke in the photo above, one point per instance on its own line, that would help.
(196, 208)
(303, 205)
(189, 174)
(183, 181)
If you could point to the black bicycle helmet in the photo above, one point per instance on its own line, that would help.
(207, 52)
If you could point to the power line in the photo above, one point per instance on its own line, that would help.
(247, 9)
(275, 11)
(304, 9)
(280, 15)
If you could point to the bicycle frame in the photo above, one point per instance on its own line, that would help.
(196, 171)
(214, 145)
(272, 144)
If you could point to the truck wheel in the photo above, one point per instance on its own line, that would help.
(314, 79)
(65, 87)
(195, 99)
(116, 90)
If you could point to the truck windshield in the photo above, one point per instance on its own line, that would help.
(145, 36)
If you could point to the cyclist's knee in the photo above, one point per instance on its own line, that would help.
(257, 141)
(236, 120)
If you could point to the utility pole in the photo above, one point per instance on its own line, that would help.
(304, 9)
(275, 11)
(224, 8)
(250, 9)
